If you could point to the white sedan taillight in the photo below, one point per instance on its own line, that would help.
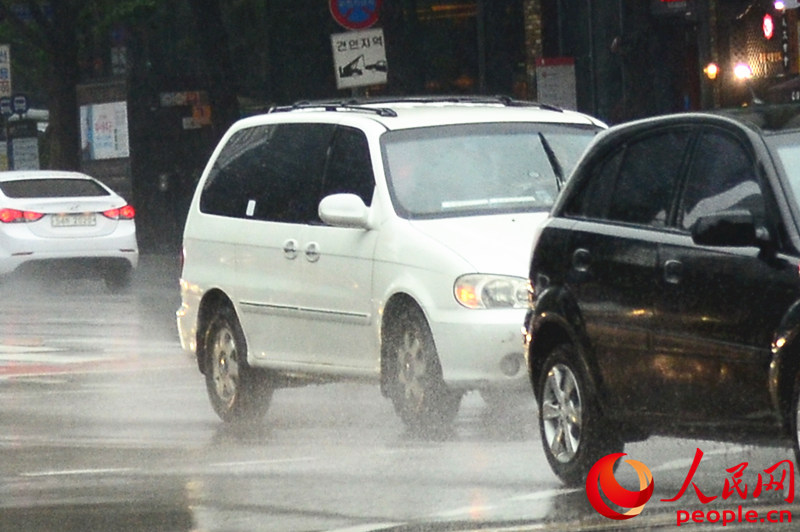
(125, 213)
(8, 216)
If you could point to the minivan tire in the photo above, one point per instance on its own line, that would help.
(573, 430)
(420, 397)
(238, 393)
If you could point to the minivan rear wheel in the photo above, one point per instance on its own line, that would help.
(419, 395)
(573, 430)
(238, 393)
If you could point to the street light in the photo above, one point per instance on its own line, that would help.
(786, 4)
(742, 72)
(711, 71)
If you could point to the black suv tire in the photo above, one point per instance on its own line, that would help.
(574, 432)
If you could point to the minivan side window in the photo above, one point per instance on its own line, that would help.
(270, 172)
(647, 178)
(349, 166)
(224, 192)
(723, 177)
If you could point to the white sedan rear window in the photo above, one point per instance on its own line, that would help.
(52, 188)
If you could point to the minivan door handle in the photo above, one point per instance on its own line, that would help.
(290, 249)
(581, 259)
(673, 271)
(312, 252)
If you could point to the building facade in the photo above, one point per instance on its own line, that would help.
(636, 58)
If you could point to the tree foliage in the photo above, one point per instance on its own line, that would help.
(59, 44)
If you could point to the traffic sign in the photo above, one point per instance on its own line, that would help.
(355, 14)
(5, 106)
(359, 58)
(19, 103)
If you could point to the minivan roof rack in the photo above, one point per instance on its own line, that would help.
(333, 106)
(361, 104)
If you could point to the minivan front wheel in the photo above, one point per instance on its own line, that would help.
(419, 395)
(574, 433)
(238, 393)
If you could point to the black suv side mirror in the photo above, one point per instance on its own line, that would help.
(729, 228)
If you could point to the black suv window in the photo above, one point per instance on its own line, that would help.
(723, 177)
(634, 184)
(593, 200)
(647, 179)
(269, 172)
(349, 167)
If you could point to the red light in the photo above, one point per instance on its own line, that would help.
(768, 25)
(126, 213)
(8, 216)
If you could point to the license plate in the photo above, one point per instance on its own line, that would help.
(73, 220)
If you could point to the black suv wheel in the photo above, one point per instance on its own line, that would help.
(574, 433)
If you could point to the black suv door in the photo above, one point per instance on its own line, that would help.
(718, 306)
(613, 249)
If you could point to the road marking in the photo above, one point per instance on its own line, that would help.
(68, 472)
(18, 348)
(546, 494)
(262, 462)
(40, 358)
(684, 463)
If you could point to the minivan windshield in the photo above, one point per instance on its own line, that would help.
(787, 148)
(476, 169)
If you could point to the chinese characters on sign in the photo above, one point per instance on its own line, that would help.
(359, 58)
(735, 484)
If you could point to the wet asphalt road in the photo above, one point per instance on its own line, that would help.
(105, 425)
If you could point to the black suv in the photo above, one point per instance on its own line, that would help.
(665, 294)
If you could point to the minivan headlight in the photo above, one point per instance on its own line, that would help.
(491, 291)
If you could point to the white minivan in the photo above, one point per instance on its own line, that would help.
(381, 241)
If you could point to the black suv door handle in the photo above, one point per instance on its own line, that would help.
(581, 259)
(673, 271)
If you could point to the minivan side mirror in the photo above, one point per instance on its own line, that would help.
(344, 210)
(735, 228)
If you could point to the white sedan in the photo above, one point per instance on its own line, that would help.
(68, 220)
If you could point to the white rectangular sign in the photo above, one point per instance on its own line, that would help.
(104, 131)
(359, 58)
(555, 82)
(25, 153)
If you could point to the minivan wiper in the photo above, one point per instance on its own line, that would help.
(551, 156)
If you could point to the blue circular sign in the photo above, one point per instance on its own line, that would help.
(355, 14)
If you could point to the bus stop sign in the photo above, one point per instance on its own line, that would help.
(355, 14)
